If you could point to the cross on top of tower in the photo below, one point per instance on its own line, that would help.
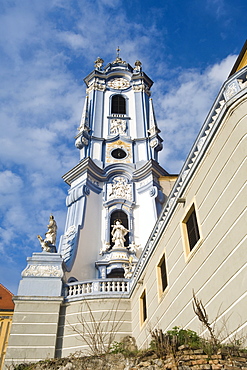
(118, 58)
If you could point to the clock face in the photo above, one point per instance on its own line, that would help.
(119, 153)
(119, 83)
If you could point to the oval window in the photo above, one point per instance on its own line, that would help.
(118, 153)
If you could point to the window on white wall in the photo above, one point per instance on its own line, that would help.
(118, 104)
(162, 275)
(143, 307)
(191, 230)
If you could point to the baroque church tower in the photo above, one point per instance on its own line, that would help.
(134, 249)
(115, 195)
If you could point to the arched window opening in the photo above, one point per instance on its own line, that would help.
(116, 274)
(118, 104)
(72, 279)
(122, 217)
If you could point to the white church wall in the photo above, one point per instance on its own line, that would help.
(114, 316)
(141, 152)
(145, 216)
(216, 268)
(132, 125)
(97, 112)
(139, 115)
(89, 240)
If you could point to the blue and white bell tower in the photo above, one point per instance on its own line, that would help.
(115, 195)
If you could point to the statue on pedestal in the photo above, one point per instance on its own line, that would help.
(49, 243)
(118, 233)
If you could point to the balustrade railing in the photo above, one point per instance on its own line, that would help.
(95, 287)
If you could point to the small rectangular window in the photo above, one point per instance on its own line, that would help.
(192, 230)
(143, 307)
(162, 274)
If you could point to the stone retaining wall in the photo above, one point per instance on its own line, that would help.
(183, 359)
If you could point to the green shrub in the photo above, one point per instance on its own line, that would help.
(184, 336)
(117, 347)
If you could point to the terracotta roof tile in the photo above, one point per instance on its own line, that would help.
(6, 302)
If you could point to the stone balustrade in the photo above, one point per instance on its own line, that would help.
(118, 287)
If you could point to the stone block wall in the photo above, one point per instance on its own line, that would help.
(183, 359)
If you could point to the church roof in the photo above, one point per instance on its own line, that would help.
(241, 60)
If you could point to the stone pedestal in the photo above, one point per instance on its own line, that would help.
(37, 306)
(42, 276)
(117, 258)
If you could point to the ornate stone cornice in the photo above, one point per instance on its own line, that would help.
(149, 167)
(96, 85)
(96, 80)
(141, 88)
(99, 174)
(86, 165)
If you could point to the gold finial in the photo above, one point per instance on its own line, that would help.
(118, 58)
(138, 66)
(98, 63)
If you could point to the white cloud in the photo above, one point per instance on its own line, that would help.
(9, 182)
(183, 109)
(74, 40)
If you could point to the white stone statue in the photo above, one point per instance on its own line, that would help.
(51, 234)
(104, 248)
(133, 247)
(118, 233)
(48, 244)
(129, 269)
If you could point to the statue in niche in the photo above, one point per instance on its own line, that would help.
(118, 233)
(118, 126)
(48, 244)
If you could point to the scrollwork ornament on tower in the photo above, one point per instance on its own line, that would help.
(119, 83)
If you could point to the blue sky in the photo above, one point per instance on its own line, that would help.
(187, 47)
